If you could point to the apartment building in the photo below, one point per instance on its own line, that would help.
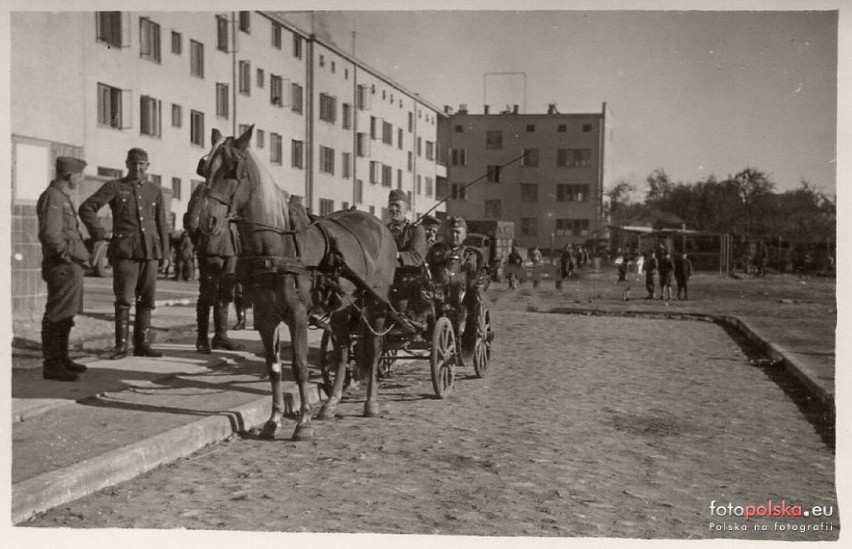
(331, 130)
(544, 172)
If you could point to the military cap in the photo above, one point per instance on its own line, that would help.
(453, 222)
(429, 221)
(397, 195)
(67, 164)
(137, 154)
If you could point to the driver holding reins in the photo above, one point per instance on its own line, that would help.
(410, 238)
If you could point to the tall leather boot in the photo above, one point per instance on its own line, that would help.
(202, 319)
(220, 335)
(241, 314)
(122, 332)
(53, 368)
(142, 336)
(64, 337)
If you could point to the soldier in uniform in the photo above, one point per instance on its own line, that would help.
(410, 238)
(139, 241)
(461, 262)
(430, 226)
(64, 257)
(217, 263)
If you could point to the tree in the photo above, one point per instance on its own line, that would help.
(752, 186)
(619, 196)
(660, 185)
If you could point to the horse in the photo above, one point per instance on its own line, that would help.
(299, 268)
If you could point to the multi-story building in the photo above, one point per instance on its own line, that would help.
(544, 172)
(330, 129)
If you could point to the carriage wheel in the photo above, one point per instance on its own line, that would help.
(443, 357)
(484, 335)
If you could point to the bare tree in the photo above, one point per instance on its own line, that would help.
(751, 185)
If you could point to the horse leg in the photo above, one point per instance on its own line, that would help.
(269, 334)
(299, 337)
(340, 328)
(372, 352)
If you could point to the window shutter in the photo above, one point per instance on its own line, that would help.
(126, 109)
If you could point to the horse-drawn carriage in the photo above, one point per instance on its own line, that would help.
(436, 315)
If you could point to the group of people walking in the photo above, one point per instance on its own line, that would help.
(665, 268)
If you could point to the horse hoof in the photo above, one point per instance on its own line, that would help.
(371, 408)
(327, 412)
(303, 433)
(270, 429)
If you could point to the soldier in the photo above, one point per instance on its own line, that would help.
(650, 268)
(682, 273)
(410, 238)
(441, 258)
(64, 257)
(217, 263)
(140, 239)
(430, 225)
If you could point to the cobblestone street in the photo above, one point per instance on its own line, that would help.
(584, 426)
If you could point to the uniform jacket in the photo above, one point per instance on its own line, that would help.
(650, 265)
(410, 242)
(224, 244)
(139, 228)
(59, 227)
(683, 269)
(441, 255)
(666, 266)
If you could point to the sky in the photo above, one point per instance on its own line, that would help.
(696, 93)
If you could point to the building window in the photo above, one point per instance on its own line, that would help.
(410, 161)
(196, 128)
(150, 116)
(297, 46)
(530, 127)
(572, 227)
(562, 128)
(245, 78)
(176, 188)
(260, 78)
(441, 187)
(196, 58)
(296, 92)
(387, 176)
(363, 98)
(399, 138)
(333, 67)
(430, 188)
(493, 174)
(245, 21)
(149, 40)
(458, 157)
(572, 193)
(260, 138)
(221, 33)
(177, 43)
(297, 154)
(573, 158)
(347, 116)
(326, 206)
(387, 133)
(111, 173)
(587, 128)
(346, 74)
(419, 146)
(109, 28)
(326, 160)
(275, 90)
(530, 158)
(275, 151)
(459, 191)
(111, 107)
(328, 108)
(410, 121)
(358, 192)
(529, 226)
(221, 100)
(374, 172)
(346, 165)
(493, 139)
(419, 185)
(529, 192)
(362, 144)
(177, 116)
(373, 127)
(493, 209)
(430, 150)
(276, 36)
(459, 128)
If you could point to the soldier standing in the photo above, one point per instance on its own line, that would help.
(63, 259)
(217, 263)
(410, 238)
(139, 241)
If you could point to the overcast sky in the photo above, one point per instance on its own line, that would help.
(693, 92)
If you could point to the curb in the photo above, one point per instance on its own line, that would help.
(43, 492)
(795, 366)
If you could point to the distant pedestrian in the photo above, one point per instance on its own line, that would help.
(140, 240)
(184, 258)
(621, 265)
(566, 262)
(640, 264)
(682, 273)
(760, 257)
(650, 268)
(666, 269)
(64, 258)
(535, 256)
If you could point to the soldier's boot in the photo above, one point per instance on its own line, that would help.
(241, 314)
(143, 337)
(220, 329)
(53, 368)
(202, 318)
(64, 337)
(122, 332)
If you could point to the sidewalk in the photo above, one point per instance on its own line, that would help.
(129, 416)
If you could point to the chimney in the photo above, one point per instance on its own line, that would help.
(514, 109)
(486, 109)
(448, 110)
(551, 109)
(462, 109)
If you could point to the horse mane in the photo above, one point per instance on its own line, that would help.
(275, 200)
(298, 214)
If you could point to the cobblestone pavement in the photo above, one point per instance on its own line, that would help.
(601, 427)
